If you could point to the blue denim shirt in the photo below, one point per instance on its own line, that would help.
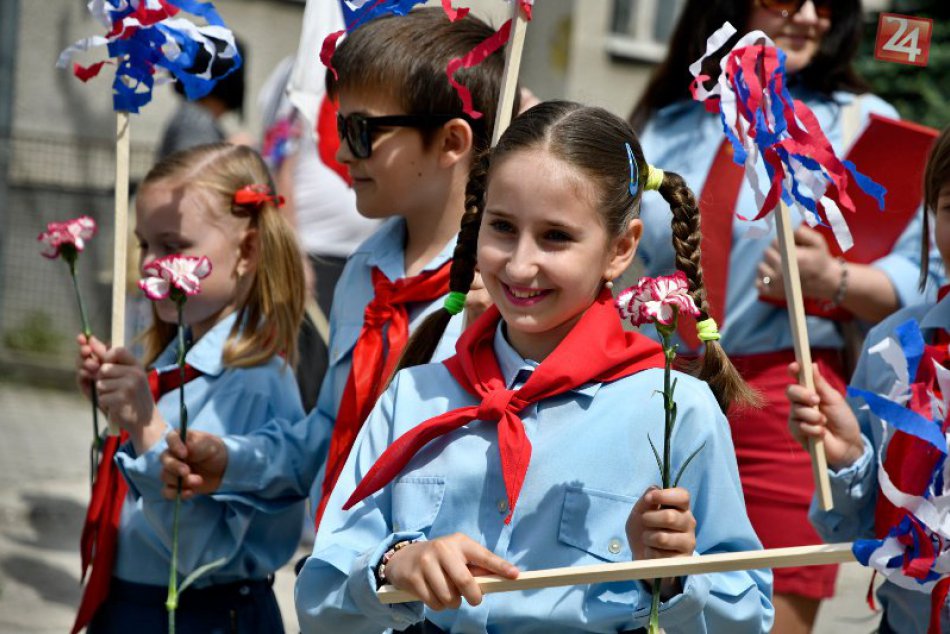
(254, 542)
(684, 138)
(285, 458)
(855, 489)
(590, 462)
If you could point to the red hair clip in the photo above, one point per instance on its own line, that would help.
(256, 195)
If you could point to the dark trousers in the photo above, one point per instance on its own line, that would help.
(235, 608)
(427, 627)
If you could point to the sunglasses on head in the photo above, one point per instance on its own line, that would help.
(791, 7)
(357, 130)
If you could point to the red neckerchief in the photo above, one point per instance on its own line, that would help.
(99, 541)
(375, 359)
(717, 204)
(597, 349)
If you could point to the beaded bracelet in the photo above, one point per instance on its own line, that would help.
(381, 568)
(838, 297)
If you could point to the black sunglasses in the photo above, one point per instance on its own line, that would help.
(358, 129)
(791, 7)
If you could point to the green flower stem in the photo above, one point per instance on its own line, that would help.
(171, 603)
(669, 409)
(70, 256)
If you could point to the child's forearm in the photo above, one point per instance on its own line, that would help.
(145, 436)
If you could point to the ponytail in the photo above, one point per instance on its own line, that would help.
(425, 339)
(275, 301)
(715, 367)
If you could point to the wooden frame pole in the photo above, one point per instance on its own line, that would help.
(652, 569)
(121, 224)
(509, 81)
(796, 317)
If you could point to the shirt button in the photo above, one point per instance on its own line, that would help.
(502, 506)
(396, 528)
(614, 546)
(244, 591)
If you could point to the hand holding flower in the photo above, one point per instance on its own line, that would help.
(125, 397)
(661, 525)
(87, 365)
(199, 465)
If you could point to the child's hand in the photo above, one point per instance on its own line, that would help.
(441, 572)
(660, 526)
(200, 465)
(122, 383)
(823, 413)
(87, 363)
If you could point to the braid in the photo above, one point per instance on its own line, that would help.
(715, 368)
(425, 339)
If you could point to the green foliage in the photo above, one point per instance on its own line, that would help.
(920, 94)
(36, 333)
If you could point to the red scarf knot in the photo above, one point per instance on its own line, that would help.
(495, 405)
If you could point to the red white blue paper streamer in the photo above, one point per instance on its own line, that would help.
(146, 35)
(359, 12)
(764, 123)
(915, 554)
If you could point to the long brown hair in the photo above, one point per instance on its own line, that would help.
(831, 69)
(269, 316)
(591, 140)
(936, 176)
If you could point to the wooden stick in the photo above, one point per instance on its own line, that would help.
(652, 569)
(796, 316)
(119, 254)
(509, 81)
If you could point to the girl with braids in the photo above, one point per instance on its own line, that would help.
(743, 272)
(215, 201)
(522, 451)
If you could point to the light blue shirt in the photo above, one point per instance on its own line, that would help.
(281, 461)
(854, 489)
(254, 542)
(684, 138)
(590, 462)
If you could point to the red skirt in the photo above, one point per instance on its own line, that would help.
(776, 471)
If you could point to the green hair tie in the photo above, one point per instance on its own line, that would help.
(654, 178)
(707, 330)
(454, 302)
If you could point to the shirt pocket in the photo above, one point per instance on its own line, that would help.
(594, 521)
(416, 502)
(343, 341)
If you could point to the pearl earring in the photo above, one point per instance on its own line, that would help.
(609, 284)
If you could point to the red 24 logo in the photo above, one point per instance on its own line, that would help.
(903, 39)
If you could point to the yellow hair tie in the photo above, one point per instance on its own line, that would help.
(654, 178)
(707, 330)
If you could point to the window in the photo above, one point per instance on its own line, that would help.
(640, 29)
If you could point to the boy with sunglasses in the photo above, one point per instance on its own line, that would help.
(408, 146)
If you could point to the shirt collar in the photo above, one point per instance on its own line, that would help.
(386, 250)
(938, 316)
(205, 354)
(513, 364)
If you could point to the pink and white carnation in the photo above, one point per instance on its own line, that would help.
(72, 233)
(181, 272)
(657, 299)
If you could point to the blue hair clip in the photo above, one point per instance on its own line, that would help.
(634, 185)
